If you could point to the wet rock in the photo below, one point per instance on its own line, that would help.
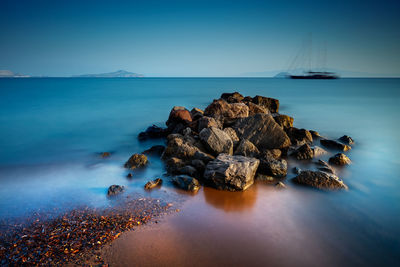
(232, 134)
(105, 154)
(321, 162)
(189, 170)
(115, 190)
(273, 167)
(320, 180)
(154, 150)
(226, 112)
(262, 131)
(153, 132)
(324, 166)
(247, 149)
(129, 175)
(284, 121)
(318, 151)
(187, 183)
(216, 141)
(334, 145)
(207, 122)
(179, 115)
(203, 156)
(296, 170)
(178, 147)
(280, 185)
(315, 134)
(299, 137)
(151, 184)
(173, 165)
(231, 172)
(269, 103)
(196, 113)
(136, 161)
(232, 97)
(255, 109)
(303, 153)
(346, 140)
(340, 159)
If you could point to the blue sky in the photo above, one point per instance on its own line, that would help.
(195, 38)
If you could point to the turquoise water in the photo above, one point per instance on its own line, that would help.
(52, 128)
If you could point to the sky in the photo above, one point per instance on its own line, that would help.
(196, 38)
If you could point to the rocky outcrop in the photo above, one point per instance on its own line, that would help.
(303, 153)
(232, 97)
(334, 145)
(315, 134)
(346, 140)
(231, 172)
(196, 113)
(136, 161)
(153, 132)
(271, 104)
(320, 180)
(262, 131)
(340, 159)
(178, 147)
(299, 137)
(154, 151)
(207, 122)
(151, 184)
(115, 190)
(274, 167)
(173, 165)
(216, 141)
(187, 183)
(284, 121)
(226, 112)
(255, 109)
(247, 149)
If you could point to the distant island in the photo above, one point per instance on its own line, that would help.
(10, 74)
(115, 74)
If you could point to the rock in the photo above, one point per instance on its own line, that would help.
(173, 165)
(187, 132)
(136, 161)
(299, 136)
(105, 154)
(231, 172)
(178, 147)
(346, 140)
(247, 149)
(232, 134)
(273, 167)
(226, 112)
(296, 170)
(187, 183)
(269, 103)
(280, 185)
(274, 153)
(129, 175)
(216, 141)
(320, 180)
(315, 134)
(189, 170)
(334, 145)
(320, 162)
(153, 132)
(151, 184)
(340, 159)
(327, 170)
(284, 121)
(154, 150)
(232, 97)
(318, 151)
(179, 115)
(304, 152)
(196, 113)
(266, 178)
(199, 165)
(203, 156)
(207, 122)
(255, 109)
(262, 131)
(115, 190)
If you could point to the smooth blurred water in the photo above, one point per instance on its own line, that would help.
(52, 128)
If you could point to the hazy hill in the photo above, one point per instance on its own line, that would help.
(119, 73)
(10, 74)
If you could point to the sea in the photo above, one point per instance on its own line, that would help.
(53, 129)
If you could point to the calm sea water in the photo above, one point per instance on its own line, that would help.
(51, 130)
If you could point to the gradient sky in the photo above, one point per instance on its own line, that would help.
(195, 38)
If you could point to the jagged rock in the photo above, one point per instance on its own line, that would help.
(320, 180)
(216, 141)
(273, 167)
(189, 170)
(334, 145)
(115, 190)
(136, 161)
(280, 185)
(304, 152)
(232, 134)
(299, 137)
(153, 132)
(255, 109)
(318, 151)
(225, 112)
(187, 183)
(203, 156)
(284, 121)
(247, 149)
(231, 172)
(269, 103)
(154, 150)
(315, 134)
(262, 131)
(151, 184)
(196, 113)
(207, 122)
(178, 147)
(346, 140)
(340, 159)
(232, 97)
(179, 115)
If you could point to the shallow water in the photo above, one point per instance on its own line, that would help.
(51, 130)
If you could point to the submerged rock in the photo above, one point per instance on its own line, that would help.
(216, 141)
(296, 170)
(262, 131)
(347, 140)
(153, 132)
(187, 183)
(284, 121)
(154, 150)
(334, 145)
(303, 153)
(271, 104)
(105, 154)
(231, 172)
(315, 134)
(115, 190)
(247, 149)
(340, 159)
(151, 184)
(299, 136)
(280, 185)
(136, 161)
(320, 180)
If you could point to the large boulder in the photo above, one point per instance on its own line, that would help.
(247, 149)
(216, 141)
(178, 115)
(284, 121)
(231, 172)
(136, 161)
(207, 122)
(320, 180)
(273, 167)
(271, 104)
(299, 137)
(232, 97)
(262, 131)
(340, 159)
(174, 165)
(178, 147)
(232, 134)
(304, 152)
(187, 183)
(255, 109)
(226, 112)
(334, 145)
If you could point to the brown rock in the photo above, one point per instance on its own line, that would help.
(320, 180)
(179, 115)
(340, 159)
(269, 103)
(247, 149)
(299, 136)
(216, 141)
(207, 122)
(151, 184)
(334, 145)
(303, 153)
(232, 97)
(225, 112)
(255, 109)
(136, 161)
(284, 121)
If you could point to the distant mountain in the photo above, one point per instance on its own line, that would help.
(10, 74)
(115, 74)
